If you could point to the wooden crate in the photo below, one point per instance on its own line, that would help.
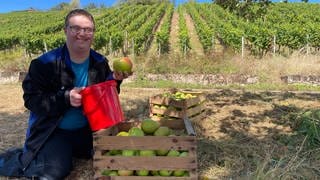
(165, 108)
(106, 141)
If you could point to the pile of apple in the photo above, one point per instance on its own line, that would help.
(149, 127)
(178, 95)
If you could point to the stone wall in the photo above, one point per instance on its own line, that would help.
(291, 79)
(204, 79)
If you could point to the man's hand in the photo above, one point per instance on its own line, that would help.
(75, 97)
(121, 75)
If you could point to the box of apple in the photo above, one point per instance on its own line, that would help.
(145, 148)
(177, 105)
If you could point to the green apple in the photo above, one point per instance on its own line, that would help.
(113, 173)
(147, 153)
(178, 173)
(125, 172)
(162, 152)
(142, 172)
(122, 65)
(128, 153)
(165, 173)
(173, 153)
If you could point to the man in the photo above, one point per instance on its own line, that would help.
(57, 129)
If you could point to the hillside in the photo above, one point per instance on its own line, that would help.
(192, 38)
(289, 26)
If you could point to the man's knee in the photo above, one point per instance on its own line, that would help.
(55, 173)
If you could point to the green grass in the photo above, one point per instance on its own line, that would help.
(254, 87)
(268, 70)
(14, 60)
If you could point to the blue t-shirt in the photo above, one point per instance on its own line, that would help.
(74, 117)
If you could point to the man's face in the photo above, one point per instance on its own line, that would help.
(79, 33)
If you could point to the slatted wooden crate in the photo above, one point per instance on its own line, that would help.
(106, 141)
(166, 108)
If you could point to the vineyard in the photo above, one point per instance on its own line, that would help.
(249, 131)
(131, 29)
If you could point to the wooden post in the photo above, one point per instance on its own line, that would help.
(307, 44)
(126, 42)
(274, 45)
(133, 48)
(110, 45)
(212, 41)
(159, 49)
(45, 46)
(242, 47)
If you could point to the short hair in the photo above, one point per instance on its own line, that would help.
(77, 12)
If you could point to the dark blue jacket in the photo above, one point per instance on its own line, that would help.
(46, 94)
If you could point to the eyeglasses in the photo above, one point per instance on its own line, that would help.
(78, 29)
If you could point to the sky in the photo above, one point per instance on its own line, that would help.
(16, 5)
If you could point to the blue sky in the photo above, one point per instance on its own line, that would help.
(15, 5)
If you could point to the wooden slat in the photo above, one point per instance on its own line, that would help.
(168, 112)
(144, 178)
(183, 104)
(144, 142)
(201, 115)
(149, 163)
(159, 99)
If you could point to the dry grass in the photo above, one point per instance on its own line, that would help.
(270, 69)
(245, 135)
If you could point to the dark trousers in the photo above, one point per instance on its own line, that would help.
(54, 160)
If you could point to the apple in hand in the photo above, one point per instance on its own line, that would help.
(122, 65)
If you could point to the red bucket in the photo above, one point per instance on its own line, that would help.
(101, 105)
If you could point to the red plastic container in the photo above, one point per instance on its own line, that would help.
(101, 105)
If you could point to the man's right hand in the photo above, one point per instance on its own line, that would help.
(76, 97)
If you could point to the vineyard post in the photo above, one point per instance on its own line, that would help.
(133, 48)
(307, 44)
(212, 42)
(45, 46)
(126, 41)
(242, 47)
(110, 45)
(25, 50)
(159, 49)
(274, 45)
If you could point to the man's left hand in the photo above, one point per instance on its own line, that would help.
(117, 75)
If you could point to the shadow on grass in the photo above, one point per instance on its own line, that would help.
(12, 129)
(251, 138)
(242, 139)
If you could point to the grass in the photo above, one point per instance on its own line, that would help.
(14, 60)
(240, 155)
(249, 87)
(253, 144)
(268, 69)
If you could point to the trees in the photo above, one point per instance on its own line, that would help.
(74, 4)
(65, 6)
(248, 9)
(60, 7)
(90, 6)
(140, 1)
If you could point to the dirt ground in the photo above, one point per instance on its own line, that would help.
(241, 130)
